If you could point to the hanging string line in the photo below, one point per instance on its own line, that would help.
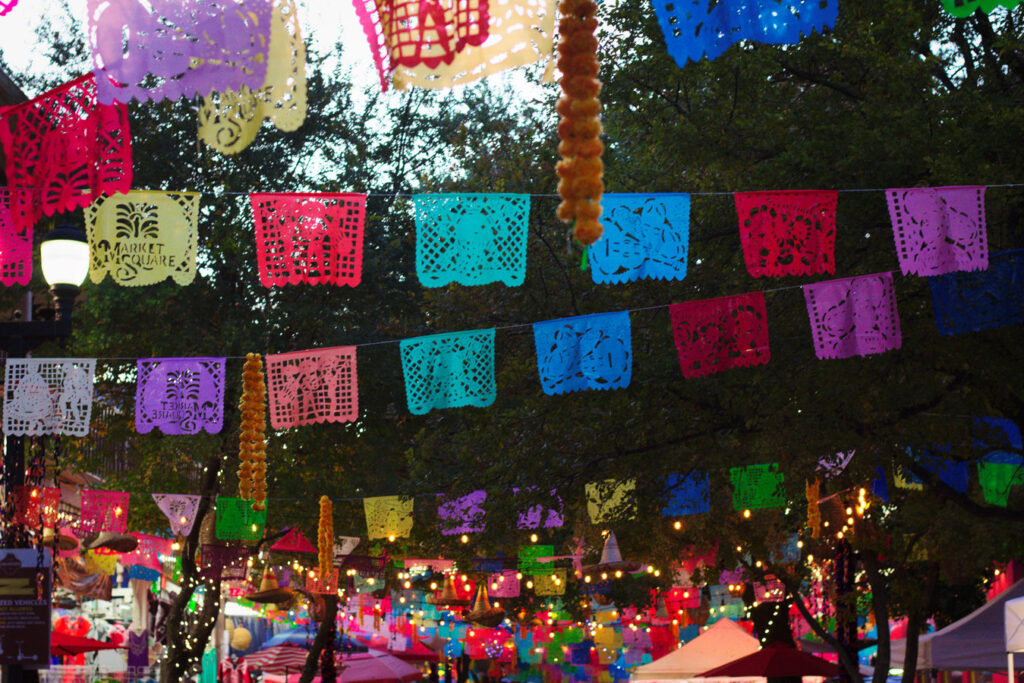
(513, 326)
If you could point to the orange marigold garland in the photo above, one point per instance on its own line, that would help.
(813, 511)
(325, 538)
(579, 130)
(252, 442)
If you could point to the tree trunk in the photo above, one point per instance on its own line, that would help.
(915, 622)
(323, 634)
(880, 606)
(185, 647)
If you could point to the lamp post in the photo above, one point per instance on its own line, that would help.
(64, 254)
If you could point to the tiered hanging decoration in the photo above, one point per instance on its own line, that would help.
(579, 130)
(252, 444)
(325, 536)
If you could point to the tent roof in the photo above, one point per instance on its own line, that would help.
(978, 641)
(723, 642)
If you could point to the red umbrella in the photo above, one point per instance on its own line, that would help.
(64, 645)
(774, 660)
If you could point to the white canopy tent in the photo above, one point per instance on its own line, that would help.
(1013, 624)
(724, 641)
(976, 642)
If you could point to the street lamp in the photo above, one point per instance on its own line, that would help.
(64, 254)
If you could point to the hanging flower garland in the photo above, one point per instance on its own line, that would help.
(813, 511)
(252, 443)
(579, 130)
(325, 538)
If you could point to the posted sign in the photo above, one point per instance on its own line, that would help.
(25, 589)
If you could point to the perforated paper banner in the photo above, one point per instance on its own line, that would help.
(222, 561)
(788, 233)
(103, 511)
(462, 515)
(950, 471)
(410, 34)
(757, 486)
(471, 239)
(772, 590)
(229, 120)
(834, 465)
(905, 479)
(541, 516)
(236, 520)
(688, 494)
(62, 150)
(316, 583)
(998, 473)
(610, 499)
(965, 8)
(645, 236)
(179, 395)
(449, 370)
(968, 302)
(694, 28)
(552, 583)
(314, 239)
(309, 387)
(166, 49)
(148, 552)
(180, 510)
(100, 564)
(521, 32)
(585, 352)
(36, 506)
(503, 584)
(48, 396)
(388, 516)
(528, 562)
(939, 230)
(15, 245)
(855, 316)
(143, 237)
(294, 542)
(720, 334)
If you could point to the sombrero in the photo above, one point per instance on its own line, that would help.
(119, 543)
(448, 596)
(611, 559)
(483, 614)
(59, 540)
(270, 592)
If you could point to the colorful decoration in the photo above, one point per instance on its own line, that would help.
(504, 584)
(103, 511)
(720, 334)
(406, 33)
(813, 494)
(147, 553)
(293, 542)
(968, 302)
(687, 494)
(325, 537)
(998, 473)
(449, 370)
(610, 499)
(579, 130)
(315, 582)
(855, 316)
(169, 49)
(939, 230)
(965, 8)
(585, 352)
(834, 465)
(310, 387)
(645, 236)
(62, 150)
(388, 516)
(529, 558)
(552, 583)
(520, 32)
(757, 486)
(953, 473)
(223, 561)
(905, 479)
(314, 239)
(237, 520)
(463, 515)
(180, 395)
(36, 506)
(252, 441)
(143, 237)
(180, 510)
(471, 239)
(15, 245)
(788, 233)
(48, 396)
(541, 516)
(693, 28)
(229, 120)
